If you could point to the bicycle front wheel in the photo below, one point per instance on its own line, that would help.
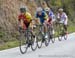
(23, 44)
(39, 40)
(33, 42)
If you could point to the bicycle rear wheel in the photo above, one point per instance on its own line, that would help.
(60, 32)
(65, 36)
(51, 34)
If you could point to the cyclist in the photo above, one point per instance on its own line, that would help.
(51, 17)
(63, 18)
(24, 18)
(50, 14)
(42, 17)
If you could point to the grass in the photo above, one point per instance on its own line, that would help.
(1, 34)
(8, 45)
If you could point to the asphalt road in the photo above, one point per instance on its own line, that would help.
(63, 49)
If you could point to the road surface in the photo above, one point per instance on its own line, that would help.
(63, 49)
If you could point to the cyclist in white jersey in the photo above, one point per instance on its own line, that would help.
(63, 18)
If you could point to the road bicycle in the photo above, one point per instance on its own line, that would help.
(26, 40)
(41, 36)
(51, 34)
(61, 32)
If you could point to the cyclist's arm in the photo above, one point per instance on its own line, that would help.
(20, 21)
(66, 18)
(22, 24)
(37, 19)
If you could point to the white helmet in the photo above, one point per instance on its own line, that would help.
(39, 9)
(60, 9)
(47, 9)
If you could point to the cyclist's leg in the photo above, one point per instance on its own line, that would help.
(32, 26)
(42, 23)
(45, 28)
(52, 28)
(65, 27)
(51, 22)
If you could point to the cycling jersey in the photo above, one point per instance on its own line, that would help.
(63, 18)
(42, 17)
(26, 18)
(51, 16)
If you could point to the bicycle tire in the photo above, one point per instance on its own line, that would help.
(65, 36)
(33, 42)
(45, 40)
(59, 32)
(39, 40)
(51, 36)
(23, 43)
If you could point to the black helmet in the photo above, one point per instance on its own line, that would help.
(23, 9)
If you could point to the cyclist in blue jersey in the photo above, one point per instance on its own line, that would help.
(42, 17)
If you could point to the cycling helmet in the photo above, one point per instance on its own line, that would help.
(47, 9)
(23, 9)
(39, 9)
(60, 9)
